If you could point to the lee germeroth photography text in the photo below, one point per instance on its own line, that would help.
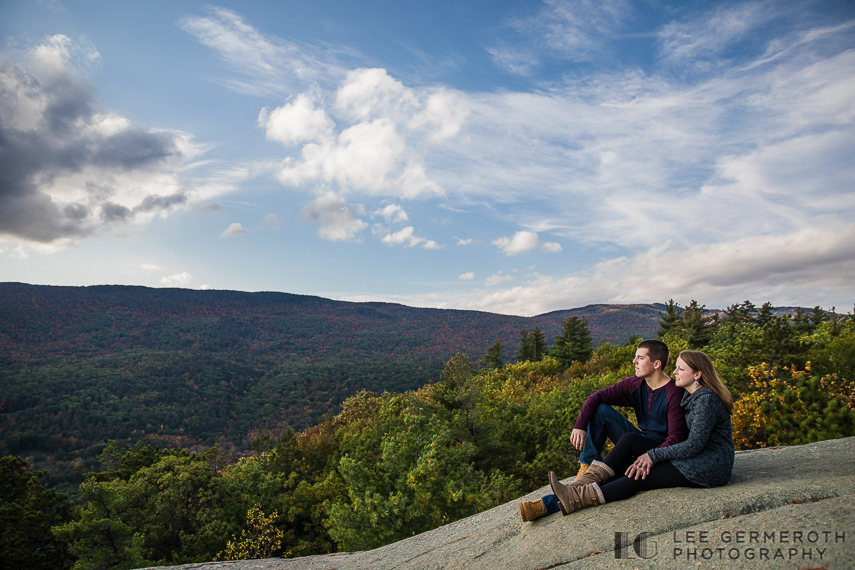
(804, 545)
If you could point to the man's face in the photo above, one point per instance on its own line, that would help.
(644, 367)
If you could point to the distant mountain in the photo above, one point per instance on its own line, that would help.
(81, 365)
(41, 324)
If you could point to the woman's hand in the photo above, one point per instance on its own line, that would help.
(641, 467)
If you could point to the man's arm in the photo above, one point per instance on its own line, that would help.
(677, 430)
(618, 394)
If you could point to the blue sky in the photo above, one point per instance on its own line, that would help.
(513, 157)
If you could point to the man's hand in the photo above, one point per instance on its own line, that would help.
(578, 437)
(641, 467)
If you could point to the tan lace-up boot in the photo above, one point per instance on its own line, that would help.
(530, 510)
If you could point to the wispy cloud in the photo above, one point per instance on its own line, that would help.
(262, 65)
(575, 30)
(704, 40)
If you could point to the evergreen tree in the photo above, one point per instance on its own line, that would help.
(532, 346)
(574, 344)
(493, 358)
(672, 321)
(697, 328)
(818, 316)
(740, 314)
(28, 510)
(765, 314)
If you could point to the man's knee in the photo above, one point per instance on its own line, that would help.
(604, 410)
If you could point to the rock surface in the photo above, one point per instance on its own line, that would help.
(790, 507)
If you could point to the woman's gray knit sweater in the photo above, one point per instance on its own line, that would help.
(706, 457)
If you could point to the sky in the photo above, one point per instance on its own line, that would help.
(512, 157)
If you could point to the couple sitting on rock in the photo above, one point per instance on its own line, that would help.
(684, 436)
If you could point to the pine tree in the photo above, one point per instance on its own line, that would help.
(532, 346)
(698, 329)
(672, 321)
(493, 358)
(574, 344)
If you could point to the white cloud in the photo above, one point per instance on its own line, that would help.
(462, 241)
(150, 267)
(405, 237)
(361, 159)
(524, 241)
(338, 220)
(445, 111)
(296, 122)
(468, 276)
(392, 213)
(233, 230)
(497, 278)
(368, 94)
(182, 279)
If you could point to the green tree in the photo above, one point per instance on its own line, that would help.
(165, 513)
(672, 321)
(532, 346)
(574, 344)
(28, 510)
(698, 328)
(493, 358)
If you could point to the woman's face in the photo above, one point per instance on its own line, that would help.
(684, 376)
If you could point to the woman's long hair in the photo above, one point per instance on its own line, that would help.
(700, 362)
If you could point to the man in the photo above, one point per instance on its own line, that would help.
(654, 396)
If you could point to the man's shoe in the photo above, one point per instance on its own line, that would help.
(530, 510)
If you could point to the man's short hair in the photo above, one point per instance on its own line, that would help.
(656, 350)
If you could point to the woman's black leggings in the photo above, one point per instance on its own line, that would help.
(662, 475)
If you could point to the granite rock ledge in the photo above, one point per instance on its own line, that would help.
(786, 507)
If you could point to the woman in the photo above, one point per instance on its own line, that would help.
(705, 459)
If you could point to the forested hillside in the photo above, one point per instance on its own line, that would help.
(183, 368)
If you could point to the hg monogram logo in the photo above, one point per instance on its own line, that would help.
(640, 545)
